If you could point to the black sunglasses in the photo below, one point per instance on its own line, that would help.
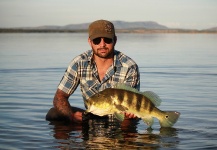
(96, 41)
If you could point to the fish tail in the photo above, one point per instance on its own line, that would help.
(169, 118)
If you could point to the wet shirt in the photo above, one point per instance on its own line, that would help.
(83, 70)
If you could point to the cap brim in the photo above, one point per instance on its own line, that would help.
(111, 36)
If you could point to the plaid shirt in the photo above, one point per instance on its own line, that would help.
(82, 70)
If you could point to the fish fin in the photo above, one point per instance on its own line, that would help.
(153, 97)
(119, 116)
(121, 108)
(126, 87)
(169, 118)
(148, 120)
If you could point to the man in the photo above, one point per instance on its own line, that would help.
(95, 70)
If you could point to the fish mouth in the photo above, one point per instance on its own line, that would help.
(177, 116)
(177, 113)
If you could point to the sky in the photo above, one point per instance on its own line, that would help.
(188, 14)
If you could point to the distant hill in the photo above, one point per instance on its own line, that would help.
(120, 26)
(82, 26)
(117, 24)
(211, 29)
(138, 25)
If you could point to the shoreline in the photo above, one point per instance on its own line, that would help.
(142, 31)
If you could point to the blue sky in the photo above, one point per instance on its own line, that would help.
(196, 14)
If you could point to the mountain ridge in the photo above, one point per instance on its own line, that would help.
(120, 26)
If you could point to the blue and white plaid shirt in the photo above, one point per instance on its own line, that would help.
(83, 70)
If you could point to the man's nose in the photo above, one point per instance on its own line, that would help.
(102, 42)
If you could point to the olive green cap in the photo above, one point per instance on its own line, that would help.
(101, 28)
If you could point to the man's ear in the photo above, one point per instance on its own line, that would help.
(89, 41)
(115, 39)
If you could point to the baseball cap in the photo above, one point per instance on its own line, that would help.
(101, 28)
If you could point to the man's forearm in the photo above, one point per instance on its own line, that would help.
(61, 104)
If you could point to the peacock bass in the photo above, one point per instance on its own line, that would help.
(123, 98)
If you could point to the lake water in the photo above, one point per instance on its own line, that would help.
(180, 68)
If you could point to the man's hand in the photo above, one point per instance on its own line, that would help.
(77, 117)
(129, 116)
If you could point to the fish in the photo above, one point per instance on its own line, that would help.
(122, 98)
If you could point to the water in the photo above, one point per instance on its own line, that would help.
(180, 68)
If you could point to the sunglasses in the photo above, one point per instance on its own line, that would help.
(96, 41)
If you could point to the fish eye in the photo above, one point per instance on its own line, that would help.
(166, 116)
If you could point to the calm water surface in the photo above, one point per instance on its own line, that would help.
(180, 68)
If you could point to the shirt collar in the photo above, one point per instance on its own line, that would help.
(90, 55)
(117, 62)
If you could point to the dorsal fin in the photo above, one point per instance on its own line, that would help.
(153, 97)
(126, 87)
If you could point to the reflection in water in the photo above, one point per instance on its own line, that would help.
(110, 134)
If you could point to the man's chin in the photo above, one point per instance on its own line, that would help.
(104, 54)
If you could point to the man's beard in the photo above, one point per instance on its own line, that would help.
(108, 54)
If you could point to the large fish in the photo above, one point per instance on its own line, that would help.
(122, 99)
